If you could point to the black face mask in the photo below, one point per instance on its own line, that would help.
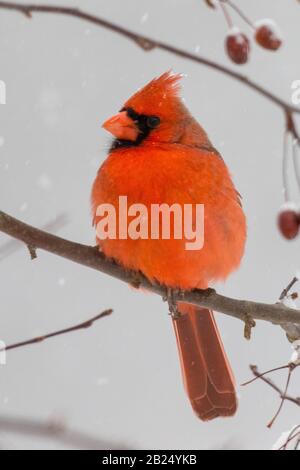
(144, 123)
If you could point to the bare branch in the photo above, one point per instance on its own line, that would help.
(226, 14)
(283, 394)
(210, 3)
(239, 12)
(291, 366)
(291, 126)
(294, 435)
(286, 291)
(11, 246)
(262, 375)
(283, 398)
(91, 257)
(148, 44)
(53, 429)
(39, 339)
(32, 252)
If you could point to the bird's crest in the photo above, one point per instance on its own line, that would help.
(159, 93)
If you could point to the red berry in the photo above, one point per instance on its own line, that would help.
(288, 223)
(237, 46)
(267, 35)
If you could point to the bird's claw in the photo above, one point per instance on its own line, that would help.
(135, 281)
(170, 298)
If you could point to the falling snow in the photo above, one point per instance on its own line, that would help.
(102, 381)
(50, 104)
(44, 182)
(144, 18)
(61, 282)
(23, 207)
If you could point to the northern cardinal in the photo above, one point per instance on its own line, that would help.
(160, 154)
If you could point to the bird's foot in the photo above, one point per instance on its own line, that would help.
(136, 280)
(170, 298)
(96, 248)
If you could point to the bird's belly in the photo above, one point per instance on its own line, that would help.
(177, 176)
(171, 262)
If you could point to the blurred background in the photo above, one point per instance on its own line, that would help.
(120, 380)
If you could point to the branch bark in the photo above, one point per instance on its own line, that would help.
(289, 319)
(88, 256)
(53, 226)
(39, 339)
(58, 431)
(262, 376)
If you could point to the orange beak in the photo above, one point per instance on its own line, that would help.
(122, 127)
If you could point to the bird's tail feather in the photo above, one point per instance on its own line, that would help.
(207, 374)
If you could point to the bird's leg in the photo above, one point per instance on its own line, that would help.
(170, 298)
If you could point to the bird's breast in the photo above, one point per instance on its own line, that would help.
(171, 177)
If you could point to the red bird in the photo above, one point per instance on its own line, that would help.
(162, 155)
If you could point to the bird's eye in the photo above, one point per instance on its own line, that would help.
(153, 122)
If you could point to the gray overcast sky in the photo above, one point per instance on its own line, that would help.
(120, 380)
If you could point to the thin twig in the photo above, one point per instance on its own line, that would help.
(226, 14)
(283, 398)
(285, 291)
(32, 252)
(290, 438)
(261, 375)
(285, 167)
(90, 257)
(210, 3)
(148, 44)
(290, 130)
(239, 12)
(11, 246)
(291, 125)
(39, 339)
(53, 429)
(296, 158)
